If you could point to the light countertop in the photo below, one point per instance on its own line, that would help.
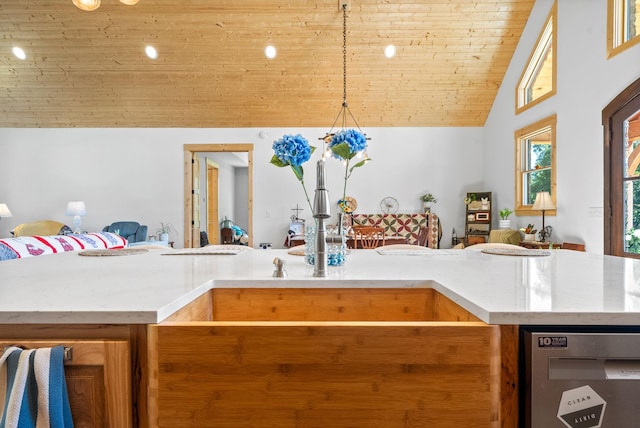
(566, 287)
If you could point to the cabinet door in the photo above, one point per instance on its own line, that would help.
(98, 378)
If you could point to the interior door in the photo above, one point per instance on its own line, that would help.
(189, 151)
(213, 217)
(195, 222)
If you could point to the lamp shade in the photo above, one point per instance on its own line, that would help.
(75, 208)
(4, 211)
(543, 202)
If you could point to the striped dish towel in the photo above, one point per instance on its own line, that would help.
(33, 389)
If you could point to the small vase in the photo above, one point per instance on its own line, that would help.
(505, 224)
(336, 247)
(529, 236)
(426, 207)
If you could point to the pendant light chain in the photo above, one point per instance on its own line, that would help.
(344, 112)
(344, 55)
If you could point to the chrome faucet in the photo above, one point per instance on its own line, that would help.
(321, 212)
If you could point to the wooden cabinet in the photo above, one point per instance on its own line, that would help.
(324, 358)
(478, 217)
(98, 375)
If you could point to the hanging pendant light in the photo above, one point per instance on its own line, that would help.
(129, 2)
(345, 113)
(87, 5)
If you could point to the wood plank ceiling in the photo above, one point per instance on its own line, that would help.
(88, 69)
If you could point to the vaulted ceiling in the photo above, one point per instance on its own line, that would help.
(88, 69)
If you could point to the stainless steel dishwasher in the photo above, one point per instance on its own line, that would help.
(581, 378)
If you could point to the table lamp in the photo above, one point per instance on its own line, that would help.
(77, 209)
(4, 211)
(543, 203)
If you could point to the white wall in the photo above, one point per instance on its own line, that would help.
(137, 174)
(586, 83)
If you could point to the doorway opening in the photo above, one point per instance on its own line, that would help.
(621, 122)
(193, 193)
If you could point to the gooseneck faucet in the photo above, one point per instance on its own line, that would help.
(321, 212)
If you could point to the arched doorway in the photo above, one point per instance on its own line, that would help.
(621, 121)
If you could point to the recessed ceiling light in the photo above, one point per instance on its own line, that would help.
(270, 52)
(390, 51)
(18, 52)
(151, 52)
(87, 5)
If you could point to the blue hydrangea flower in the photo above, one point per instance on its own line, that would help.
(292, 149)
(356, 141)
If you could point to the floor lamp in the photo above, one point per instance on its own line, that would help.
(543, 203)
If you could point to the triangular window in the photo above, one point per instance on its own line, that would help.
(538, 80)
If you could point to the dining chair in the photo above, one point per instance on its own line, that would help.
(423, 236)
(368, 237)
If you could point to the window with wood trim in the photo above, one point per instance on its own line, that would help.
(535, 165)
(621, 120)
(538, 80)
(623, 25)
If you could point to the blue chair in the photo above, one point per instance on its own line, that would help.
(132, 231)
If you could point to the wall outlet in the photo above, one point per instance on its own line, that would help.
(596, 212)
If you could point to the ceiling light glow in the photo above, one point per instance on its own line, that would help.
(390, 51)
(87, 5)
(270, 52)
(19, 53)
(151, 52)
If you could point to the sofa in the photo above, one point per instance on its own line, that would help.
(29, 246)
(132, 231)
(41, 228)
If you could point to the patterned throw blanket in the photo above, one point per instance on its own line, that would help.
(27, 246)
(403, 225)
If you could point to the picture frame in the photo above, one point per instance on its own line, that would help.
(482, 216)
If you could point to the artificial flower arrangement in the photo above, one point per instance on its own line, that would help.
(529, 230)
(294, 150)
(346, 145)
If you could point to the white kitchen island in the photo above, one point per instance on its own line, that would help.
(567, 287)
(373, 342)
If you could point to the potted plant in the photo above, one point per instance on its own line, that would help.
(505, 223)
(164, 230)
(427, 199)
(529, 232)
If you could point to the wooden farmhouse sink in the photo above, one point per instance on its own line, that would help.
(310, 357)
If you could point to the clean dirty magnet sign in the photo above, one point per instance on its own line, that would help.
(581, 408)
